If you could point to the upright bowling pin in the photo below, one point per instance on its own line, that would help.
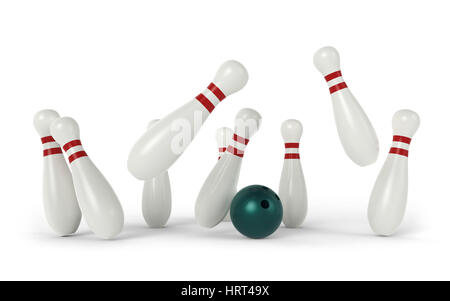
(224, 137)
(98, 202)
(219, 188)
(389, 195)
(164, 143)
(292, 190)
(357, 135)
(157, 197)
(60, 203)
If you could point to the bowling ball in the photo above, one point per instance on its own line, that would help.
(256, 211)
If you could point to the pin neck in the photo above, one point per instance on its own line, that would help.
(292, 150)
(211, 97)
(238, 146)
(221, 151)
(400, 145)
(335, 81)
(52, 151)
(74, 149)
(54, 147)
(333, 75)
(47, 139)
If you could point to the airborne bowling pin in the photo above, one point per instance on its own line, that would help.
(98, 201)
(355, 131)
(219, 188)
(157, 197)
(389, 195)
(164, 143)
(292, 191)
(60, 202)
(224, 138)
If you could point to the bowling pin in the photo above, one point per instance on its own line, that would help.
(60, 203)
(157, 197)
(224, 138)
(164, 143)
(355, 131)
(98, 201)
(292, 189)
(219, 188)
(389, 195)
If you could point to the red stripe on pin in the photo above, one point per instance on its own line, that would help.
(205, 102)
(402, 139)
(333, 75)
(235, 151)
(77, 155)
(240, 139)
(52, 151)
(47, 139)
(398, 151)
(292, 156)
(338, 87)
(292, 145)
(71, 144)
(222, 149)
(216, 91)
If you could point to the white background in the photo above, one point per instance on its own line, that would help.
(115, 65)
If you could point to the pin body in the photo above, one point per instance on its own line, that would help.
(356, 133)
(157, 197)
(219, 188)
(60, 203)
(165, 142)
(292, 189)
(98, 201)
(224, 137)
(388, 199)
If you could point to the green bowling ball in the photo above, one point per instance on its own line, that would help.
(256, 211)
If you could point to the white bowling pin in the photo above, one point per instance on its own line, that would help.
(292, 191)
(98, 201)
(355, 131)
(60, 203)
(389, 195)
(224, 137)
(164, 143)
(157, 197)
(219, 188)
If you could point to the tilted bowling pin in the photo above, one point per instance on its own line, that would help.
(292, 189)
(389, 195)
(157, 197)
(98, 201)
(60, 202)
(219, 188)
(224, 137)
(164, 143)
(357, 135)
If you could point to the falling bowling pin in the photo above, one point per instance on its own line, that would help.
(60, 202)
(292, 189)
(157, 197)
(219, 188)
(355, 131)
(164, 143)
(224, 138)
(389, 195)
(98, 201)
